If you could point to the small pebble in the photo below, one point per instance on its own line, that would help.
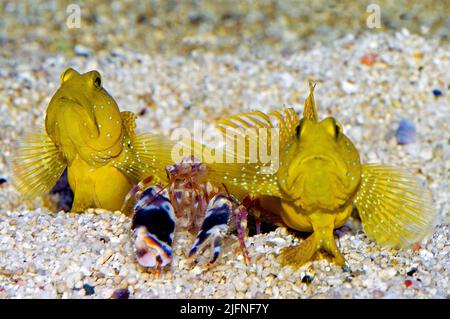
(369, 59)
(122, 293)
(82, 51)
(406, 132)
(88, 289)
(377, 294)
(349, 87)
(416, 247)
(437, 92)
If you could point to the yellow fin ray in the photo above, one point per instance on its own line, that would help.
(394, 208)
(298, 255)
(310, 111)
(37, 165)
(128, 121)
(246, 171)
(247, 177)
(145, 154)
(286, 120)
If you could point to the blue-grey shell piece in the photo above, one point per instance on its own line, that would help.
(406, 132)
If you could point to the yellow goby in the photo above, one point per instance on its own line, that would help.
(86, 132)
(319, 181)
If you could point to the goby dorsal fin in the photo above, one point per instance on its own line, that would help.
(310, 112)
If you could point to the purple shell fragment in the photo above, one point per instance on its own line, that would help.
(122, 293)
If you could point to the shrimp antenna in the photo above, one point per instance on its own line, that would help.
(138, 187)
(157, 193)
(230, 195)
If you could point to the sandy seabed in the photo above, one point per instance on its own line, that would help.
(48, 254)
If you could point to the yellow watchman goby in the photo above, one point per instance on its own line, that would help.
(86, 132)
(319, 181)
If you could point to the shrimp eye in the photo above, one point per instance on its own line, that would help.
(97, 82)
